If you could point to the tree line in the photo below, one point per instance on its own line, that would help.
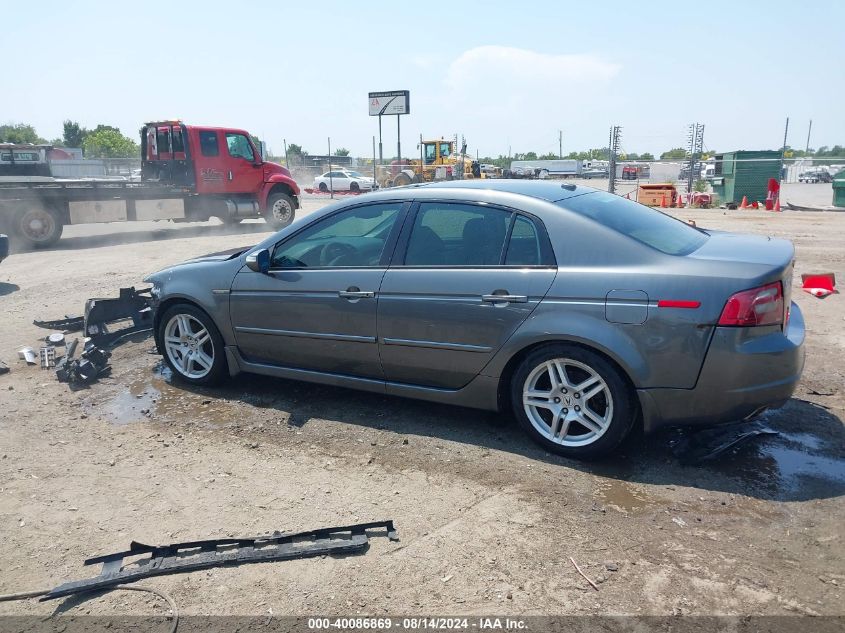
(103, 141)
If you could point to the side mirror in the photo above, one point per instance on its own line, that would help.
(259, 261)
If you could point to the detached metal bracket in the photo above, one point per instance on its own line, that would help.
(195, 555)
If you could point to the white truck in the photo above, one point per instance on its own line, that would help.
(563, 168)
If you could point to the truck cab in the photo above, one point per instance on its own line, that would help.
(222, 168)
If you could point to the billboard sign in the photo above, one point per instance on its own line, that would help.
(391, 102)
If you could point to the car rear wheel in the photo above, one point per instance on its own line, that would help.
(280, 210)
(323, 187)
(191, 345)
(572, 401)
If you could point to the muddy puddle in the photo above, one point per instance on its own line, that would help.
(623, 497)
(151, 395)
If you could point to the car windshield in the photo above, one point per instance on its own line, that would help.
(637, 221)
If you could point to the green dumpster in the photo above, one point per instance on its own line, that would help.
(839, 189)
(745, 173)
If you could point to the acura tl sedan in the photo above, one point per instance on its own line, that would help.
(578, 311)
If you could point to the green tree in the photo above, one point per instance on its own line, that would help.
(107, 142)
(341, 151)
(677, 152)
(646, 156)
(20, 133)
(73, 135)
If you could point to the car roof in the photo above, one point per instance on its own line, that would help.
(550, 191)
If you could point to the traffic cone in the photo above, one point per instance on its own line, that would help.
(663, 201)
(777, 204)
(744, 204)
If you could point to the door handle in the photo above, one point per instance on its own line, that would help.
(504, 298)
(356, 294)
(230, 174)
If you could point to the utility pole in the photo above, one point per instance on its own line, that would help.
(809, 129)
(560, 143)
(615, 141)
(331, 180)
(783, 152)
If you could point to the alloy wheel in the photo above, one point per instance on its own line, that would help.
(567, 402)
(188, 345)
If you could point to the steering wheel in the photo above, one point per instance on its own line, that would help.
(333, 251)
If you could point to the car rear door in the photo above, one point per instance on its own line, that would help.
(464, 278)
(316, 307)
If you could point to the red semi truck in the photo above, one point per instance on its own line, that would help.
(188, 173)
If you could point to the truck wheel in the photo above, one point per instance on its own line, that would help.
(401, 180)
(38, 226)
(280, 210)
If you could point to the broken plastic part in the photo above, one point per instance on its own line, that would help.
(191, 556)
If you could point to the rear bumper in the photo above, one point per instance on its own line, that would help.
(746, 371)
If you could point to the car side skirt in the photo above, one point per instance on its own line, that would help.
(480, 393)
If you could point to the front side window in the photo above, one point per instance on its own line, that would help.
(454, 234)
(637, 221)
(445, 150)
(239, 146)
(355, 237)
(430, 152)
(208, 144)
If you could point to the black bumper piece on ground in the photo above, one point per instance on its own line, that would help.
(192, 556)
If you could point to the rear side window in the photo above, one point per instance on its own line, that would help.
(524, 248)
(453, 234)
(163, 140)
(178, 145)
(644, 224)
(208, 144)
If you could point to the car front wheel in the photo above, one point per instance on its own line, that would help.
(572, 401)
(191, 345)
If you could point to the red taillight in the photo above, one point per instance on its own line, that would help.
(758, 306)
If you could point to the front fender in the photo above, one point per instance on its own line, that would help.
(588, 327)
(277, 179)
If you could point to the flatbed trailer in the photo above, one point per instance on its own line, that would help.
(189, 173)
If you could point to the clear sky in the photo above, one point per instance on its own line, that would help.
(505, 74)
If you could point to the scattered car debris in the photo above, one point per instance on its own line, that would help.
(192, 556)
(4, 368)
(92, 363)
(101, 313)
(67, 324)
(56, 339)
(819, 285)
(27, 354)
(696, 446)
(47, 354)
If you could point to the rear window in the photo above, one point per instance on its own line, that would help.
(642, 223)
(208, 144)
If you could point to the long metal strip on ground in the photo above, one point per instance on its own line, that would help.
(194, 555)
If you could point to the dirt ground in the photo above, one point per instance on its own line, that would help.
(487, 521)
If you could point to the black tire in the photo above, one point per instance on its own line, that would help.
(38, 227)
(281, 210)
(219, 368)
(354, 187)
(401, 180)
(323, 187)
(623, 411)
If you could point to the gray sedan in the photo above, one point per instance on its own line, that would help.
(579, 311)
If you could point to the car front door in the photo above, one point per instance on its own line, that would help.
(466, 278)
(244, 173)
(316, 307)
